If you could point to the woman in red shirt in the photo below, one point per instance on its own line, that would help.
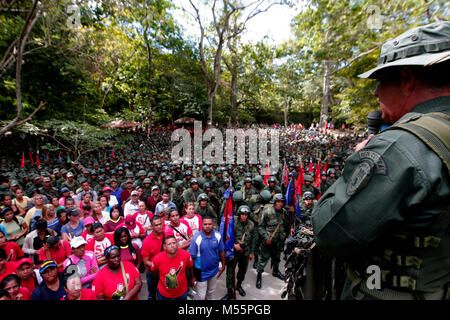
(11, 283)
(119, 280)
(128, 251)
(55, 249)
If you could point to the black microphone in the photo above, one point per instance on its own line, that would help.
(374, 122)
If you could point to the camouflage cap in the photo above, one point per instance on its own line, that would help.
(422, 46)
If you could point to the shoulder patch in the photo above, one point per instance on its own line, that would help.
(376, 158)
(360, 177)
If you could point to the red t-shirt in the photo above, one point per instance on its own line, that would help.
(13, 250)
(26, 293)
(124, 195)
(172, 273)
(183, 228)
(195, 222)
(10, 268)
(86, 294)
(125, 254)
(110, 284)
(59, 255)
(30, 283)
(98, 247)
(151, 246)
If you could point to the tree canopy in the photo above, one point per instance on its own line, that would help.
(90, 62)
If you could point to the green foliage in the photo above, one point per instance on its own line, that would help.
(130, 60)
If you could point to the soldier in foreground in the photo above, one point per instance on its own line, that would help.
(389, 211)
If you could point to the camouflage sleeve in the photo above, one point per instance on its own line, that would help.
(382, 185)
(262, 226)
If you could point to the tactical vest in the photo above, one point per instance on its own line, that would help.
(419, 260)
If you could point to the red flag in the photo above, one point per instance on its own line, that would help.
(311, 170)
(299, 180)
(113, 155)
(317, 175)
(267, 174)
(23, 160)
(285, 175)
(325, 167)
(37, 159)
(31, 157)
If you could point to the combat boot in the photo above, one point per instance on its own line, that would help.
(240, 289)
(277, 274)
(229, 295)
(259, 280)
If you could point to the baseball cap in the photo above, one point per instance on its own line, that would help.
(129, 220)
(106, 189)
(72, 212)
(65, 189)
(155, 188)
(134, 193)
(77, 241)
(69, 174)
(52, 240)
(46, 179)
(422, 46)
(22, 261)
(47, 264)
(88, 220)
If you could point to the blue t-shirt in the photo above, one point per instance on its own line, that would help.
(42, 292)
(205, 251)
(75, 232)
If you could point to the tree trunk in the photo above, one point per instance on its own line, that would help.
(285, 110)
(149, 83)
(233, 98)
(326, 89)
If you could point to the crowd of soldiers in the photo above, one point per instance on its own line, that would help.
(263, 222)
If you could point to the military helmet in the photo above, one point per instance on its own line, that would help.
(165, 168)
(331, 171)
(207, 185)
(113, 172)
(258, 179)
(323, 173)
(278, 197)
(226, 180)
(147, 180)
(203, 196)
(192, 181)
(308, 195)
(230, 167)
(237, 196)
(129, 174)
(201, 181)
(248, 180)
(265, 195)
(142, 173)
(248, 175)
(188, 173)
(93, 173)
(151, 174)
(169, 177)
(272, 179)
(219, 170)
(206, 170)
(244, 210)
(178, 183)
(308, 178)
